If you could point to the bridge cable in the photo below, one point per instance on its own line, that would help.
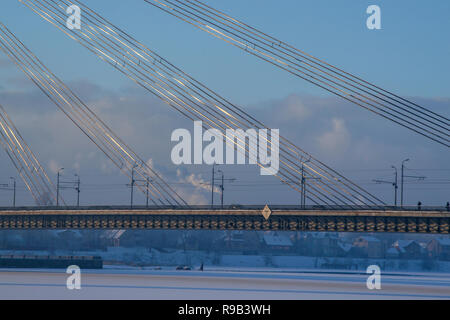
(116, 65)
(121, 155)
(30, 170)
(328, 178)
(390, 106)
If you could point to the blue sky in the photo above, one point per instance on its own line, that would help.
(408, 56)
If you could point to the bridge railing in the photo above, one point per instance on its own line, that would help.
(232, 207)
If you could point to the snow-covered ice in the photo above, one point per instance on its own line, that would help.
(167, 283)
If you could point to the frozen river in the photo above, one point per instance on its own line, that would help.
(219, 284)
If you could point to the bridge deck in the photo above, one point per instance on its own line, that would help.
(228, 219)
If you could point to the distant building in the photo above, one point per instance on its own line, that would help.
(439, 248)
(326, 245)
(237, 240)
(275, 241)
(408, 249)
(367, 246)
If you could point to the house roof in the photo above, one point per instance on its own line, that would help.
(369, 238)
(403, 243)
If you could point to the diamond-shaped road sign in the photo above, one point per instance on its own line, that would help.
(266, 212)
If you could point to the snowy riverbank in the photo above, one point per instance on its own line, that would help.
(142, 257)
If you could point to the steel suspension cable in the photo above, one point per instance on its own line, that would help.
(289, 51)
(30, 170)
(276, 42)
(114, 62)
(43, 85)
(191, 102)
(91, 125)
(421, 122)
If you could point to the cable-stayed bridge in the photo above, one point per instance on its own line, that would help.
(327, 188)
(277, 218)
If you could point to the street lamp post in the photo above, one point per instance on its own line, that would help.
(212, 186)
(78, 189)
(303, 181)
(57, 186)
(147, 186)
(303, 200)
(221, 189)
(222, 185)
(395, 185)
(401, 187)
(14, 192)
(132, 185)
